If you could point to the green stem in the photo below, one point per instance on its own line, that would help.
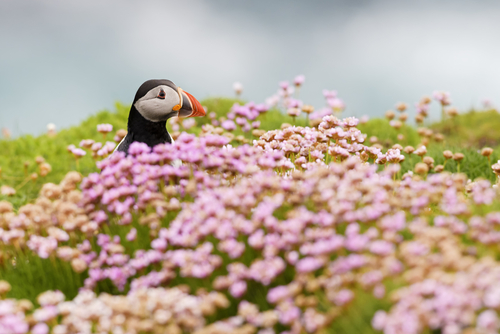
(22, 184)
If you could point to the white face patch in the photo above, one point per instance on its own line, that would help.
(156, 109)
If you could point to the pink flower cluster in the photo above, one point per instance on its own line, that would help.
(244, 116)
(152, 310)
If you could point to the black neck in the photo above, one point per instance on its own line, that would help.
(142, 130)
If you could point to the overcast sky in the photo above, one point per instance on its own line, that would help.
(61, 60)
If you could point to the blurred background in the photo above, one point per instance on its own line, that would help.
(61, 61)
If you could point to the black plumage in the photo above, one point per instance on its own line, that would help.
(139, 129)
(162, 100)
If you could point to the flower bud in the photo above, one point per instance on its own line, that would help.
(421, 168)
(119, 135)
(409, 149)
(294, 112)
(438, 137)
(425, 100)
(7, 191)
(447, 154)
(390, 114)
(486, 151)
(308, 109)
(401, 106)
(452, 111)
(45, 169)
(4, 287)
(429, 161)
(439, 168)
(25, 305)
(258, 133)
(458, 157)
(396, 124)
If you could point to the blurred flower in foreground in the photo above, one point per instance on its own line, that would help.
(7, 191)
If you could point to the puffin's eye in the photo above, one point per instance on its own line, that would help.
(161, 94)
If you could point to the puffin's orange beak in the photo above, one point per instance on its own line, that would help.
(191, 107)
(198, 110)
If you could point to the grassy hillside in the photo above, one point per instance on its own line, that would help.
(467, 133)
(472, 129)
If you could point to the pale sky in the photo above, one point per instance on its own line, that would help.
(61, 60)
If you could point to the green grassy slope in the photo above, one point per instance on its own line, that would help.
(15, 153)
(472, 129)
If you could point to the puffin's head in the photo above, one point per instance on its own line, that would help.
(159, 100)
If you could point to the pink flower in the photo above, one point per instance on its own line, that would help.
(379, 320)
(292, 257)
(343, 297)
(159, 244)
(228, 125)
(40, 328)
(329, 94)
(382, 247)
(442, 97)
(238, 289)
(45, 314)
(188, 123)
(78, 152)
(237, 87)
(104, 128)
(488, 321)
(299, 80)
(132, 235)
(309, 264)
(336, 104)
(284, 85)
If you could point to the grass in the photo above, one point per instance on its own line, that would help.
(14, 154)
(32, 275)
(474, 129)
(387, 135)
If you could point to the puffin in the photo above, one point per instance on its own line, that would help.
(155, 102)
